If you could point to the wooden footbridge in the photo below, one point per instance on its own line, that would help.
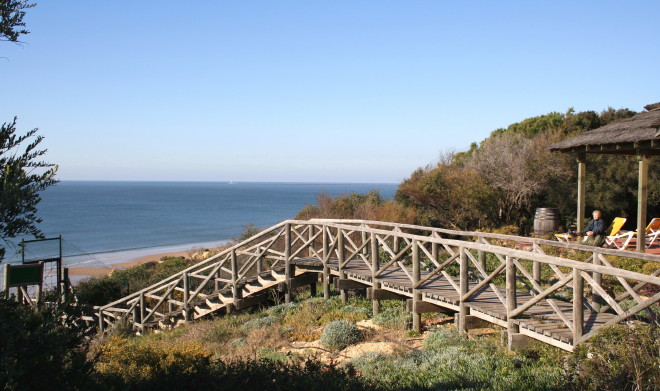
(557, 293)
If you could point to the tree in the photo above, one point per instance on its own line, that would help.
(448, 196)
(11, 19)
(22, 176)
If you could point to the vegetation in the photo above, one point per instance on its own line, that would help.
(22, 172)
(503, 179)
(338, 334)
(11, 19)
(103, 290)
(42, 347)
(22, 176)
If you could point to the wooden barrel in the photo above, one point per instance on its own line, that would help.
(546, 221)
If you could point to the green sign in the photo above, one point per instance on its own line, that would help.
(21, 275)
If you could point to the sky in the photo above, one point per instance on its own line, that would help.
(310, 91)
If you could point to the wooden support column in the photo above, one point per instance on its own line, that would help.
(596, 300)
(341, 255)
(481, 257)
(186, 296)
(581, 194)
(536, 271)
(101, 321)
(578, 314)
(288, 267)
(170, 305)
(511, 301)
(310, 248)
(375, 265)
(142, 312)
(462, 307)
(417, 295)
(326, 269)
(642, 200)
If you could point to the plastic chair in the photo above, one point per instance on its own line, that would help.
(651, 234)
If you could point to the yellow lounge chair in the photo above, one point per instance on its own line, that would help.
(651, 234)
(613, 229)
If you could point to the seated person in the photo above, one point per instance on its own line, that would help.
(595, 231)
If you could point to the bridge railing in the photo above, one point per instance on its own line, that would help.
(470, 263)
(590, 284)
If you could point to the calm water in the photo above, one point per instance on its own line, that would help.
(108, 216)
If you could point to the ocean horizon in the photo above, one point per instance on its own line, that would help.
(118, 220)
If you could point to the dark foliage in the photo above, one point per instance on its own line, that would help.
(11, 19)
(42, 349)
(22, 176)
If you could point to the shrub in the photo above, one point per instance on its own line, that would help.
(42, 348)
(238, 342)
(442, 338)
(268, 353)
(356, 310)
(619, 357)
(282, 309)
(99, 291)
(259, 323)
(338, 334)
(394, 318)
(149, 363)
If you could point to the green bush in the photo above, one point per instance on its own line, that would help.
(237, 342)
(442, 338)
(356, 310)
(394, 318)
(258, 323)
(619, 357)
(459, 368)
(338, 334)
(103, 290)
(282, 309)
(42, 348)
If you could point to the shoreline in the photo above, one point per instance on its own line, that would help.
(106, 262)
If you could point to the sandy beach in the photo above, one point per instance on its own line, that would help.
(104, 263)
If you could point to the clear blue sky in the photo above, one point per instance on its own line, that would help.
(341, 91)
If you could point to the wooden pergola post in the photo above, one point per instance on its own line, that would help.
(581, 193)
(642, 200)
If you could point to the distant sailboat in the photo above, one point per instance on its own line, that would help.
(231, 183)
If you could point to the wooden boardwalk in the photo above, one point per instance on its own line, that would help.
(544, 323)
(483, 279)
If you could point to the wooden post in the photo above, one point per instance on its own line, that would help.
(596, 300)
(417, 295)
(260, 263)
(375, 265)
(578, 314)
(101, 321)
(462, 307)
(326, 269)
(216, 283)
(170, 305)
(482, 259)
(186, 297)
(582, 180)
(642, 200)
(310, 235)
(341, 255)
(287, 263)
(142, 312)
(511, 300)
(536, 271)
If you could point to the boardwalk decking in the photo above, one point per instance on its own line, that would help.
(484, 304)
(557, 300)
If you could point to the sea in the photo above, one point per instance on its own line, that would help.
(117, 221)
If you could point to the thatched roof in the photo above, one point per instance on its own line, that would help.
(630, 135)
